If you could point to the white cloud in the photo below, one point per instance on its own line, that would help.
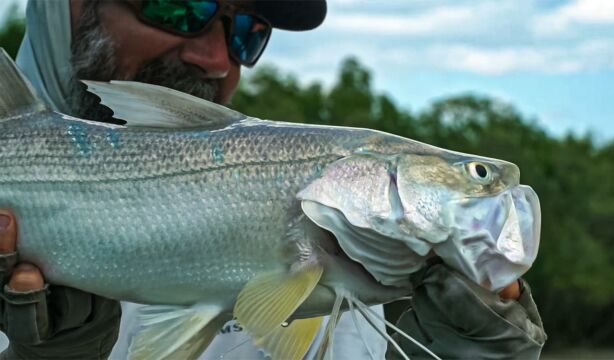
(501, 61)
(577, 12)
(479, 37)
(420, 49)
(471, 19)
(428, 23)
(592, 55)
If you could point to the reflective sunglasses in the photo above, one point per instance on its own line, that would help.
(247, 33)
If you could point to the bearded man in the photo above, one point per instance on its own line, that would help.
(198, 47)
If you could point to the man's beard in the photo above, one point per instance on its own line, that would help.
(93, 58)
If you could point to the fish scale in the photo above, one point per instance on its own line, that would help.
(203, 219)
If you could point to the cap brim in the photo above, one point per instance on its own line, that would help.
(294, 15)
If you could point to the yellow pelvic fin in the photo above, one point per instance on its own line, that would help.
(269, 299)
(291, 342)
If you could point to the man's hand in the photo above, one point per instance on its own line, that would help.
(24, 277)
(46, 322)
(511, 292)
(458, 319)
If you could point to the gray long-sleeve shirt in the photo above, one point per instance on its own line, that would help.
(457, 319)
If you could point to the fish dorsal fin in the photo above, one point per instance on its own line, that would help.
(147, 105)
(17, 96)
(268, 300)
(175, 332)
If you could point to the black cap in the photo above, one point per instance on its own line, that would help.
(294, 15)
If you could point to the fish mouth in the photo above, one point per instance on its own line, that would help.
(495, 239)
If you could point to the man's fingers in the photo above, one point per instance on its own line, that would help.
(26, 277)
(8, 232)
(512, 291)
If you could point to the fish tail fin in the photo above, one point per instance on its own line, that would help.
(17, 96)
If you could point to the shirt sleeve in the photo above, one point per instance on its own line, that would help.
(457, 319)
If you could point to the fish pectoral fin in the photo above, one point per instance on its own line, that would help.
(147, 105)
(174, 331)
(269, 299)
(291, 342)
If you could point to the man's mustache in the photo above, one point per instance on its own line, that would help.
(175, 74)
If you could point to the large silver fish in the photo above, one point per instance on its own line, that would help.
(208, 214)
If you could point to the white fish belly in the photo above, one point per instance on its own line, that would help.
(171, 240)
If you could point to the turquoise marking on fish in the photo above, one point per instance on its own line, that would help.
(79, 136)
(317, 169)
(113, 138)
(280, 179)
(217, 153)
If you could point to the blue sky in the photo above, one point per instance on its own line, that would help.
(552, 59)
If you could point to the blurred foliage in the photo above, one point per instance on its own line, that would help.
(573, 277)
(12, 29)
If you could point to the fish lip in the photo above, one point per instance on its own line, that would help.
(515, 262)
(499, 240)
(521, 196)
(533, 201)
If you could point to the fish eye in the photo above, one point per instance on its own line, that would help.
(480, 171)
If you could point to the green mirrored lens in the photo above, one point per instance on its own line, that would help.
(179, 15)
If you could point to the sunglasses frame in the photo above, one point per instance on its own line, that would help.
(224, 9)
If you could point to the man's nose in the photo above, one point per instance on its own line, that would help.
(209, 51)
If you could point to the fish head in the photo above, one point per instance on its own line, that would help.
(390, 213)
(472, 212)
(426, 188)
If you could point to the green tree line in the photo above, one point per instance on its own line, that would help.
(573, 277)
